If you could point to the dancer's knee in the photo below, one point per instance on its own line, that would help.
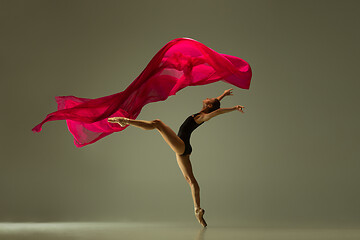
(192, 181)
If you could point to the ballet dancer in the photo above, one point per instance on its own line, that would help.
(180, 143)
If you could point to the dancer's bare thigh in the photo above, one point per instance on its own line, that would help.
(170, 137)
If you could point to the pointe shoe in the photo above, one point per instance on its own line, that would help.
(122, 121)
(199, 213)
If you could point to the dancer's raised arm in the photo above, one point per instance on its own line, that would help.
(226, 93)
(208, 116)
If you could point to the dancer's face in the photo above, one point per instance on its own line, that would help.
(208, 102)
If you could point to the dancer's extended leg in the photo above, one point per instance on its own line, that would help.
(146, 125)
(170, 137)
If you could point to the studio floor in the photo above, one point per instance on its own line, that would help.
(158, 231)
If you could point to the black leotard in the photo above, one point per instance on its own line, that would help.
(185, 131)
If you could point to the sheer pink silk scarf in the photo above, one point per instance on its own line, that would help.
(180, 63)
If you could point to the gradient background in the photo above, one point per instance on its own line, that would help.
(291, 159)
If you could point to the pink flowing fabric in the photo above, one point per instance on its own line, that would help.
(180, 63)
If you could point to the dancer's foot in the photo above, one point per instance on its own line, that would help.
(199, 213)
(120, 120)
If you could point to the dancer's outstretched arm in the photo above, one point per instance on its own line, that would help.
(208, 116)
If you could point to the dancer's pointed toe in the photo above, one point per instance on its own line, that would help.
(199, 213)
(122, 121)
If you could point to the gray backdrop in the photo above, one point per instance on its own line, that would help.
(291, 159)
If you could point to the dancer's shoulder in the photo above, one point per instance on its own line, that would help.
(207, 116)
(198, 117)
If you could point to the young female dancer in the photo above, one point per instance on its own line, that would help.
(180, 143)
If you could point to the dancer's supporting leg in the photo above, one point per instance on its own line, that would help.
(186, 168)
(178, 147)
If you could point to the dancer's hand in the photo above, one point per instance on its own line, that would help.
(228, 92)
(239, 108)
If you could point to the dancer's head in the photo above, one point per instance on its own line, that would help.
(211, 104)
